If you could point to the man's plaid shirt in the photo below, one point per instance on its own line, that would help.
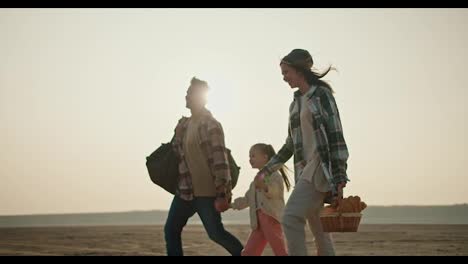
(213, 147)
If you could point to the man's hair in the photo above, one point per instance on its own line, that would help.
(195, 82)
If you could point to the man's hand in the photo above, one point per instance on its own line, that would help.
(221, 204)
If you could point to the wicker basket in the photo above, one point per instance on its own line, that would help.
(340, 222)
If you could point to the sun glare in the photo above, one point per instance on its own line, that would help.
(220, 96)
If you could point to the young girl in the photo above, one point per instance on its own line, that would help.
(266, 202)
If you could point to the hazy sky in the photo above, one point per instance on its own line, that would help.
(87, 94)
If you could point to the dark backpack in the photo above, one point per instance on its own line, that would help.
(235, 170)
(163, 167)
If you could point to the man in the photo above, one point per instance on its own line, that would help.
(204, 184)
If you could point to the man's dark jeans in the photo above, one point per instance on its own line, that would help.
(182, 210)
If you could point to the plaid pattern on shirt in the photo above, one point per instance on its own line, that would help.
(328, 134)
(212, 144)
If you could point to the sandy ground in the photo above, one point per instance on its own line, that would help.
(149, 240)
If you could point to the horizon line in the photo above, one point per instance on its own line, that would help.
(166, 210)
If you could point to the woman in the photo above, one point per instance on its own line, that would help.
(315, 138)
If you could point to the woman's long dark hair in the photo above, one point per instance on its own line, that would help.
(302, 61)
(270, 152)
(313, 77)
